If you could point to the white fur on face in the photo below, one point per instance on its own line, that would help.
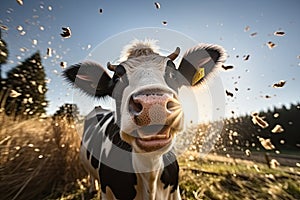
(143, 73)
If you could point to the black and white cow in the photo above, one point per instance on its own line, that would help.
(130, 150)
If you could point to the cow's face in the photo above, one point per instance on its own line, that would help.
(145, 88)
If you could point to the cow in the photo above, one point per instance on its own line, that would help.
(130, 150)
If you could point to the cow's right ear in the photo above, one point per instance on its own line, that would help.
(199, 62)
(91, 78)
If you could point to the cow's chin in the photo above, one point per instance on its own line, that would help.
(153, 138)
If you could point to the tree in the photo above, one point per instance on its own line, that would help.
(67, 111)
(27, 88)
(3, 54)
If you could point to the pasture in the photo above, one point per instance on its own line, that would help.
(39, 160)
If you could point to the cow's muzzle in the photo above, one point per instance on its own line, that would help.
(157, 115)
(153, 108)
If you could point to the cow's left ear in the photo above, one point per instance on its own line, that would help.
(198, 62)
(91, 78)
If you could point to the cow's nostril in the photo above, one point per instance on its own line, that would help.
(135, 107)
(171, 106)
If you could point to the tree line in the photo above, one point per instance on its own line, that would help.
(241, 133)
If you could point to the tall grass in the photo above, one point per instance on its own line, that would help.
(38, 158)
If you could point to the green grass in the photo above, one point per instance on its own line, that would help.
(208, 179)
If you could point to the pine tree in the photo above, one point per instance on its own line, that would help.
(3, 59)
(3, 54)
(27, 88)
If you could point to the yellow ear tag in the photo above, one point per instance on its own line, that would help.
(198, 76)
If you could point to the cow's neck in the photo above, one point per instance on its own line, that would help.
(148, 169)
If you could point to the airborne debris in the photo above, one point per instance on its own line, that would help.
(271, 45)
(247, 28)
(19, 28)
(191, 158)
(279, 84)
(22, 32)
(267, 96)
(279, 33)
(23, 49)
(14, 94)
(66, 32)
(274, 163)
(63, 64)
(157, 5)
(49, 52)
(276, 115)
(40, 89)
(3, 27)
(277, 129)
(34, 42)
(2, 53)
(229, 93)
(227, 67)
(246, 57)
(253, 34)
(30, 145)
(20, 2)
(256, 119)
(247, 152)
(266, 143)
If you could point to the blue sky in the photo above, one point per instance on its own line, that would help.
(211, 21)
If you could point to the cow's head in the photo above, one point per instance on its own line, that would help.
(145, 88)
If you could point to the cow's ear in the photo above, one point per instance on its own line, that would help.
(90, 77)
(198, 62)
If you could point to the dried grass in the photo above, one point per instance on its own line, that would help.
(38, 158)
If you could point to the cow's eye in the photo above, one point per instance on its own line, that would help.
(171, 76)
(120, 70)
(171, 64)
(170, 69)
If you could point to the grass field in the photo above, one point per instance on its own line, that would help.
(39, 160)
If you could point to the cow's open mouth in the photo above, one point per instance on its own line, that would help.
(153, 137)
